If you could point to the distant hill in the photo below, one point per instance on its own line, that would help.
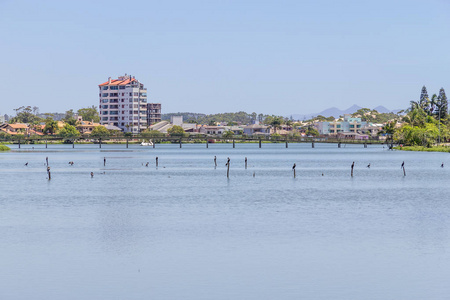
(382, 109)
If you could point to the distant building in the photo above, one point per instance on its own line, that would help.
(54, 116)
(176, 120)
(348, 125)
(85, 127)
(256, 130)
(213, 130)
(2, 119)
(123, 103)
(153, 113)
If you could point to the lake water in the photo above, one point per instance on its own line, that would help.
(185, 231)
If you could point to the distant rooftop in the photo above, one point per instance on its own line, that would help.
(122, 80)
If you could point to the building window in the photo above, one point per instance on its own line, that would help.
(114, 87)
(105, 88)
(122, 87)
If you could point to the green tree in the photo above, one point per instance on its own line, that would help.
(100, 132)
(51, 126)
(442, 105)
(228, 134)
(148, 134)
(68, 132)
(275, 136)
(69, 118)
(175, 130)
(89, 114)
(24, 114)
(312, 131)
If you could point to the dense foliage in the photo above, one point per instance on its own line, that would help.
(426, 122)
(89, 114)
(68, 132)
(175, 130)
(26, 114)
(100, 132)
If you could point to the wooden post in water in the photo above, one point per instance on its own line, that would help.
(312, 145)
(234, 146)
(293, 168)
(45, 144)
(403, 167)
(286, 144)
(127, 143)
(73, 144)
(19, 144)
(353, 165)
(228, 167)
(154, 142)
(100, 142)
(246, 162)
(180, 143)
(339, 145)
(49, 175)
(207, 144)
(260, 143)
(156, 160)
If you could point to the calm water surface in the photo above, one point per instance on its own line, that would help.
(183, 231)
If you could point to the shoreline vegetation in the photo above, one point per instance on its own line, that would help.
(423, 148)
(4, 148)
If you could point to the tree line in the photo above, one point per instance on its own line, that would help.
(426, 121)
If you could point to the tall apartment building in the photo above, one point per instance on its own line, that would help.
(123, 103)
(153, 113)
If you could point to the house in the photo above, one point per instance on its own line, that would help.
(86, 127)
(256, 129)
(213, 130)
(19, 128)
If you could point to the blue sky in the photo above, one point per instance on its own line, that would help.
(278, 57)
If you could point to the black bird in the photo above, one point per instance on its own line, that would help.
(293, 167)
(442, 165)
(92, 174)
(403, 165)
(26, 164)
(368, 165)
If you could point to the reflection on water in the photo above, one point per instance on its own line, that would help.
(183, 231)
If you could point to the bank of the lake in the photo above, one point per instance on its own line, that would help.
(4, 148)
(423, 149)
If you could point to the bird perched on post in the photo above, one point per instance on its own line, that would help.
(293, 167)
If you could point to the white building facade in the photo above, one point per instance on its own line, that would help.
(123, 103)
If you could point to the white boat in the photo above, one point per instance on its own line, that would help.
(147, 144)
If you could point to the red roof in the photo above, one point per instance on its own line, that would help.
(118, 82)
